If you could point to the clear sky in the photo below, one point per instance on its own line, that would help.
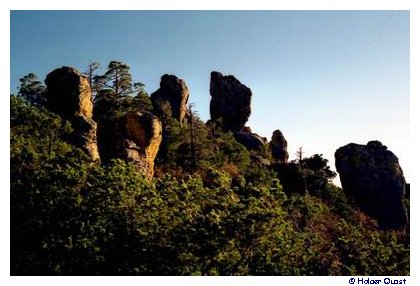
(324, 78)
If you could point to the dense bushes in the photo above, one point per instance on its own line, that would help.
(226, 217)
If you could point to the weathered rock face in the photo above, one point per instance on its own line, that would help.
(278, 147)
(290, 178)
(69, 95)
(142, 135)
(84, 135)
(172, 96)
(230, 103)
(372, 176)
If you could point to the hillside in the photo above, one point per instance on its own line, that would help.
(107, 180)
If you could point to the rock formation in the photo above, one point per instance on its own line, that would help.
(372, 176)
(143, 137)
(230, 104)
(251, 141)
(69, 95)
(171, 97)
(278, 147)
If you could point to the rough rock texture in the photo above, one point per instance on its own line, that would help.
(278, 147)
(230, 103)
(172, 95)
(290, 178)
(142, 135)
(69, 95)
(251, 141)
(372, 176)
(84, 136)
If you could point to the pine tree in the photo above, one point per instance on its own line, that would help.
(118, 79)
(91, 73)
(299, 155)
(32, 90)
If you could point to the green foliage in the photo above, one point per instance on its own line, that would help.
(142, 101)
(195, 147)
(338, 201)
(117, 79)
(32, 90)
(29, 135)
(317, 173)
(108, 112)
(228, 150)
(363, 252)
(228, 216)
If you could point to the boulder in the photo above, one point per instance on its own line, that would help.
(230, 104)
(371, 175)
(171, 97)
(141, 138)
(69, 95)
(290, 178)
(278, 147)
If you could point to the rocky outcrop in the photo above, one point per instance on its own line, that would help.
(171, 98)
(290, 178)
(371, 175)
(251, 141)
(85, 135)
(69, 95)
(278, 147)
(141, 138)
(230, 104)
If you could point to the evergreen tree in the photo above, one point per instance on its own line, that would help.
(91, 73)
(118, 79)
(299, 154)
(143, 101)
(70, 216)
(32, 90)
(317, 173)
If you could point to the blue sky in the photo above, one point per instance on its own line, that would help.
(324, 78)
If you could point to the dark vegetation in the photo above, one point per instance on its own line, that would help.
(211, 209)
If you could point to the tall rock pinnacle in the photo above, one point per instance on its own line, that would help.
(230, 104)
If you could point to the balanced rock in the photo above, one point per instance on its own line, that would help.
(171, 97)
(142, 135)
(372, 176)
(278, 147)
(69, 95)
(230, 104)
